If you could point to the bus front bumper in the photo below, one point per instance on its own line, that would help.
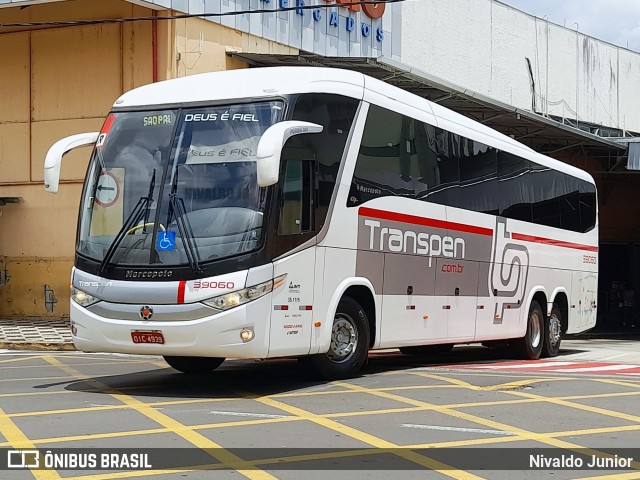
(216, 335)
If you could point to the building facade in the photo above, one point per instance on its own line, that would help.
(61, 78)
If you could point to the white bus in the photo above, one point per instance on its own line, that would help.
(319, 213)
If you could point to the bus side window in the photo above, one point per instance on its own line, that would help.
(296, 212)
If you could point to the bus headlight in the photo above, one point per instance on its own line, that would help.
(83, 298)
(233, 299)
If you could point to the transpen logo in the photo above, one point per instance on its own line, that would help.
(509, 271)
(417, 243)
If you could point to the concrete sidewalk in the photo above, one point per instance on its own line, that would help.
(33, 333)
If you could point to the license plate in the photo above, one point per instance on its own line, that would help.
(152, 336)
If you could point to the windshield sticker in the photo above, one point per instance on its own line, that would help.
(108, 123)
(156, 120)
(102, 138)
(224, 117)
(166, 241)
(235, 152)
(107, 190)
(106, 128)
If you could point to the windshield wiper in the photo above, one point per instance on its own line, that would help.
(178, 210)
(139, 212)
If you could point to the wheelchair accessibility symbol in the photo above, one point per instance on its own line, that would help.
(166, 241)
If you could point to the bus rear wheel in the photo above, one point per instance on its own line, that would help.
(349, 343)
(197, 365)
(427, 350)
(530, 346)
(552, 332)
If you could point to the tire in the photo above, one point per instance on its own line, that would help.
(196, 365)
(552, 332)
(530, 346)
(349, 343)
(428, 350)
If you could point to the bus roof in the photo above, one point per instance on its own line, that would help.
(244, 83)
(269, 82)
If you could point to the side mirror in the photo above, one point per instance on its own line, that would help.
(53, 160)
(270, 147)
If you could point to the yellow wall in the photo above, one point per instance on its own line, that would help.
(202, 46)
(64, 81)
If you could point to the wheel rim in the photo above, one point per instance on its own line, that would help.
(534, 329)
(555, 330)
(344, 339)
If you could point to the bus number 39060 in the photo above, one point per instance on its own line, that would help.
(207, 284)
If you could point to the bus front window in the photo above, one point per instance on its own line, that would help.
(166, 186)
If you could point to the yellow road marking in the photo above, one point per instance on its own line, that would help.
(514, 385)
(579, 406)
(31, 394)
(350, 392)
(98, 408)
(540, 437)
(590, 409)
(21, 359)
(88, 364)
(195, 438)
(622, 383)
(330, 415)
(615, 476)
(490, 440)
(453, 383)
(372, 440)
(504, 386)
(17, 439)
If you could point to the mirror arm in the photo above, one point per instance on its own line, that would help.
(270, 147)
(53, 160)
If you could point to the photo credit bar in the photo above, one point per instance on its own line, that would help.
(319, 459)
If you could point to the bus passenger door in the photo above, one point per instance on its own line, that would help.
(292, 309)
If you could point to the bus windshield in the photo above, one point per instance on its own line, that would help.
(175, 187)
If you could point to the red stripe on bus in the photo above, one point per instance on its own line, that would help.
(108, 123)
(426, 222)
(181, 288)
(550, 241)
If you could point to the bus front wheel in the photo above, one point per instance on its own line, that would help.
(552, 332)
(197, 365)
(349, 343)
(530, 346)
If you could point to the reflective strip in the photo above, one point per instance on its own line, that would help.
(181, 288)
(555, 243)
(426, 222)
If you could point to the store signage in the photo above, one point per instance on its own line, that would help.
(373, 11)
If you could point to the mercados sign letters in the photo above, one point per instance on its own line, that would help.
(373, 11)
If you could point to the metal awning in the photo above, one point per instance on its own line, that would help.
(543, 134)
